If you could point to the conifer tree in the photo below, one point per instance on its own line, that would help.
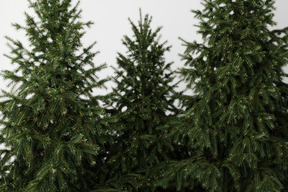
(53, 126)
(143, 100)
(236, 124)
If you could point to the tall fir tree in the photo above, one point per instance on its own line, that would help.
(144, 101)
(53, 125)
(236, 125)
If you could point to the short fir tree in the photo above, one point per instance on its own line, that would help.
(53, 126)
(236, 125)
(144, 101)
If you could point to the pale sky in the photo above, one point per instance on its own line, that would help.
(111, 23)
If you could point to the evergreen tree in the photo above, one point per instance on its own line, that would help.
(236, 125)
(143, 100)
(53, 126)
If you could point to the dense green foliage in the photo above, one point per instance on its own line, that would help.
(235, 126)
(143, 100)
(53, 125)
(230, 135)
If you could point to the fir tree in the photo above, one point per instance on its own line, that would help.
(236, 124)
(53, 126)
(143, 100)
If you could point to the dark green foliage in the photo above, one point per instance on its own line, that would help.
(236, 124)
(53, 127)
(233, 135)
(143, 100)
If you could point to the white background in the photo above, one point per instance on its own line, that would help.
(111, 23)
